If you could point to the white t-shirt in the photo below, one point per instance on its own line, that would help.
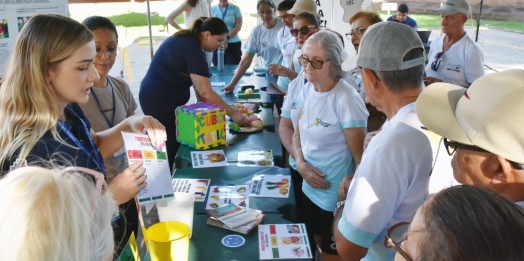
(324, 117)
(462, 64)
(286, 44)
(263, 41)
(202, 8)
(293, 101)
(298, 53)
(390, 184)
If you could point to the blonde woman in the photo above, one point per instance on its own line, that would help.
(192, 10)
(51, 71)
(36, 228)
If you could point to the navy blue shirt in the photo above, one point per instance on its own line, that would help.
(409, 21)
(167, 81)
(48, 148)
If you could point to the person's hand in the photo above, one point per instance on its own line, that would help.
(344, 186)
(229, 88)
(276, 69)
(240, 119)
(225, 45)
(127, 184)
(430, 80)
(313, 176)
(155, 130)
(368, 138)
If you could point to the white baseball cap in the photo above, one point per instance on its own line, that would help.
(449, 7)
(489, 115)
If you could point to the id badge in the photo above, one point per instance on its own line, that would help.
(120, 152)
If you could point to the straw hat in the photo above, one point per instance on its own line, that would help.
(304, 6)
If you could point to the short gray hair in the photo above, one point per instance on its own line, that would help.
(331, 44)
(263, 2)
(402, 80)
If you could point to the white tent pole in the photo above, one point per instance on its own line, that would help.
(150, 30)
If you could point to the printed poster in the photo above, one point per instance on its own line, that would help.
(198, 187)
(283, 241)
(270, 186)
(139, 148)
(208, 158)
(225, 195)
(255, 158)
(14, 14)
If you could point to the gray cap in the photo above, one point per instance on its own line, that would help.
(384, 46)
(449, 7)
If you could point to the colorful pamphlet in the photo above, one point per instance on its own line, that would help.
(208, 158)
(234, 216)
(225, 195)
(198, 187)
(283, 241)
(139, 148)
(255, 158)
(270, 186)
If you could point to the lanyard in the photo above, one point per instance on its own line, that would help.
(110, 123)
(98, 160)
(224, 12)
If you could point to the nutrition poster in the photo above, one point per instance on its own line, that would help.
(225, 195)
(208, 158)
(283, 241)
(198, 187)
(255, 158)
(139, 148)
(270, 186)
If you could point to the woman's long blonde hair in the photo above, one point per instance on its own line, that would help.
(29, 106)
(54, 215)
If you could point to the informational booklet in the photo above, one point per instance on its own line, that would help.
(255, 158)
(208, 158)
(139, 148)
(225, 195)
(234, 216)
(283, 241)
(198, 187)
(270, 186)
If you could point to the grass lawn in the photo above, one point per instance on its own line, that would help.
(137, 20)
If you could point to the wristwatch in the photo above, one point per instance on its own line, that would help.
(339, 204)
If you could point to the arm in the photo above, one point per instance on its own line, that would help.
(236, 29)
(170, 18)
(286, 131)
(346, 249)
(202, 86)
(246, 61)
(355, 140)
(280, 70)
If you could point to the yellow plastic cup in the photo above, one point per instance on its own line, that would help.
(168, 241)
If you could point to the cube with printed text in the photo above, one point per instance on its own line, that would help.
(201, 125)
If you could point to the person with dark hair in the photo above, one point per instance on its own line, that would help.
(192, 9)
(402, 17)
(178, 64)
(261, 41)
(461, 223)
(232, 16)
(111, 102)
(392, 180)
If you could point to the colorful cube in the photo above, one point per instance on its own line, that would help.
(201, 125)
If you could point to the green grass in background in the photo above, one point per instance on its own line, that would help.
(137, 20)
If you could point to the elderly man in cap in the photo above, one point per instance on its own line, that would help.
(482, 128)
(393, 177)
(454, 57)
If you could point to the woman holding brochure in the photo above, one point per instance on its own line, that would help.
(51, 71)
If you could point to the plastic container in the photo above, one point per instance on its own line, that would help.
(168, 241)
(180, 209)
(220, 59)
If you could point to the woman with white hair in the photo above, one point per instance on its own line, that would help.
(55, 215)
(329, 135)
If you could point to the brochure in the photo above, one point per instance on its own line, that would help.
(198, 187)
(234, 216)
(225, 195)
(139, 148)
(208, 158)
(283, 241)
(270, 186)
(255, 158)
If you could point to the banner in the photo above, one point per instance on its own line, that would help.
(15, 13)
(342, 11)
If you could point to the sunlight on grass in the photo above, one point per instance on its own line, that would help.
(137, 20)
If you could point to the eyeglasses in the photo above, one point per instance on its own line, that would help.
(359, 32)
(304, 30)
(100, 182)
(284, 16)
(266, 13)
(316, 64)
(395, 236)
(357, 73)
(110, 51)
(452, 146)
(435, 64)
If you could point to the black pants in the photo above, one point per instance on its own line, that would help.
(127, 223)
(232, 54)
(297, 187)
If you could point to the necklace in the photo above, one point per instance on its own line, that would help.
(317, 120)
